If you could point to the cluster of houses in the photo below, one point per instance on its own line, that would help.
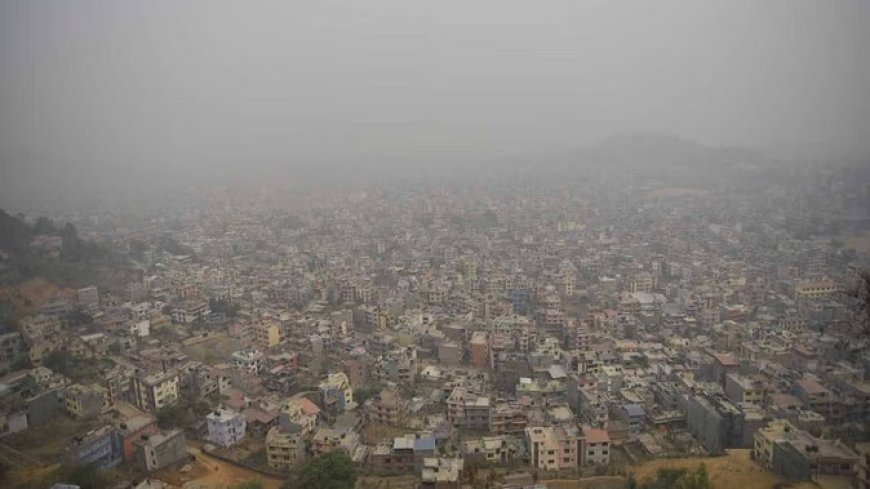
(420, 334)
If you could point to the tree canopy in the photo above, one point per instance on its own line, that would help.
(334, 470)
(682, 478)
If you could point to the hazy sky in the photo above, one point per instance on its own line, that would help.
(144, 85)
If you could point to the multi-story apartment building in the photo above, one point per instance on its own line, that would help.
(336, 394)
(479, 350)
(798, 455)
(190, 310)
(225, 428)
(250, 361)
(398, 366)
(100, 447)
(553, 447)
(155, 452)
(740, 389)
(813, 395)
(595, 447)
(12, 350)
(155, 391)
(468, 410)
(388, 408)
(267, 333)
(505, 419)
(301, 412)
(285, 444)
(87, 401)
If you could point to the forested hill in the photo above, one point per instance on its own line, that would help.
(44, 249)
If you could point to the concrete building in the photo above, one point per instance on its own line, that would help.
(797, 455)
(88, 297)
(505, 419)
(100, 446)
(479, 350)
(133, 430)
(388, 408)
(225, 428)
(12, 350)
(450, 354)
(188, 311)
(155, 391)
(303, 412)
(250, 361)
(716, 422)
(155, 452)
(553, 447)
(441, 473)
(595, 447)
(84, 402)
(813, 395)
(740, 389)
(267, 333)
(468, 410)
(285, 444)
(336, 394)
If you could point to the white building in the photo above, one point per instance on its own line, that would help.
(252, 361)
(225, 428)
(140, 328)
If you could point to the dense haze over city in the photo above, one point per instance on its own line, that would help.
(434, 245)
(173, 94)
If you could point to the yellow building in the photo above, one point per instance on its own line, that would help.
(156, 391)
(267, 333)
(285, 445)
(818, 289)
(87, 401)
(765, 438)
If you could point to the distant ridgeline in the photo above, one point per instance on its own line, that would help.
(44, 250)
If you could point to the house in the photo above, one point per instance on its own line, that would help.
(336, 394)
(441, 473)
(491, 449)
(225, 428)
(135, 429)
(799, 455)
(740, 389)
(553, 447)
(505, 419)
(596, 447)
(285, 444)
(155, 391)
(154, 452)
(303, 412)
(635, 415)
(101, 447)
(267, 333)
(84, 402)
(388, 408)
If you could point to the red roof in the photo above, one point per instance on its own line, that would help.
(308, 406)
(810, 386)
(594, 435)
(726, 359)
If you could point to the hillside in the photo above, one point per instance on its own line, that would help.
(45, 250)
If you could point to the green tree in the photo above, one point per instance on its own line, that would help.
(61, 362)
(334, 470)
(682, 478)
(362, 394)
(85, 476)
(249, 485)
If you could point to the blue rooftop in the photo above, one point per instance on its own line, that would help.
(634, 410)
(424, 444)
